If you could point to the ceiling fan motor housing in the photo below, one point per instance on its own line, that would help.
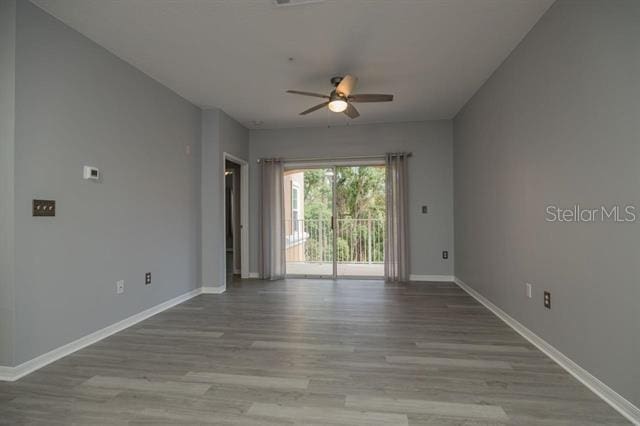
(334, 96)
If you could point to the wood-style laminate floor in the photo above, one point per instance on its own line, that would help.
(310, 352)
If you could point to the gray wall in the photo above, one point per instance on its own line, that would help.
(220, 134)
(234, 139)
(7, 155)
(430, 177)
(558, 123)
(212, 263)
(78, 104)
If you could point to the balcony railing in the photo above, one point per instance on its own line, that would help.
(359, 241)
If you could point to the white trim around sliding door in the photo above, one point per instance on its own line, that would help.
(327, 164)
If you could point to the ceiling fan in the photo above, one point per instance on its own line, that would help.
(341, 98)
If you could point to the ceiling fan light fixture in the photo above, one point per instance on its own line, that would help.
(341, 98)
(338, 105)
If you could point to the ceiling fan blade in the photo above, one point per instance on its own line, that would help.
(347, 85)
(351, 111)
(314, 108)
(370, 98)
(317, 95)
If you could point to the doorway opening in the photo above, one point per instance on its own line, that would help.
(235, 218)
(335, 221)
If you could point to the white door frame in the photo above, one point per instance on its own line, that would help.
(244, 213)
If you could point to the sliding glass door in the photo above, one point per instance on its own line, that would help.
(334, 221)
(360, 221)
(309, 237)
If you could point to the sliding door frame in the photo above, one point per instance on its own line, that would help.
(334, 222)
(316, 166)
(333, 165)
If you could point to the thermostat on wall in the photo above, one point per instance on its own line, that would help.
(91, 173)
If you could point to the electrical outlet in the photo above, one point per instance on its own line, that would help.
(43, 208)
(120, 287)
(147, 278)
(445, 254)
(547, 300)
(529, 289)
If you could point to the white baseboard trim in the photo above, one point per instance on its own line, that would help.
(213, 290)
(611, 397)
(254, 275)
(14, 373)
(6, 374)
(436, 278)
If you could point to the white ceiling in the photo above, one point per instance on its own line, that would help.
(432, 54)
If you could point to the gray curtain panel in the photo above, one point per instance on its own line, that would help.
(272, 244)
(396, 256)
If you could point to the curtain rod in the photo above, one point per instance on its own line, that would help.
(361, 157)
